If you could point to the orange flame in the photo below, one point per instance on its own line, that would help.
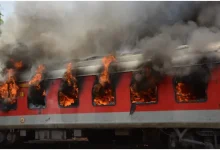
(35, 81)
(104, 77)
(183, 93)
(107, 96)
(72, 83)
(17, 64)
(148, 95)
(9, 89)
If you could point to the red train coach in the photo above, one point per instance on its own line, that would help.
(166, 105)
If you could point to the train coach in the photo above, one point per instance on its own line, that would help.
(112, 99)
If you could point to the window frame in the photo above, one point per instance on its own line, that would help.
(79, 80)
(113, 78)
(144, 103)
(16, 103)
(15, 106)
(47, 87)
(190, 101)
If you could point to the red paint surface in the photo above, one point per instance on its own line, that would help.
(166, 100)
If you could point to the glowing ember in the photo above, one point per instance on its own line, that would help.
(35, 81)
(69, 96)
(183, 93)
(144, 96)
(9, 89)
(17, 64)
(103, 91)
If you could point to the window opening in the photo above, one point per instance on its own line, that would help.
(68, 95)
(37, 89)
(9, 91)
(103, 92)
(192, 87)
(144, 86)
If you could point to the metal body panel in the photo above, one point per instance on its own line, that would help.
(166, 113)
(195, 118)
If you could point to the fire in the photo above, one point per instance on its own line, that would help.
(148, 95)
(104, 77)
(70, 97)
(144, 87)
(17, 64)
(183, 93)
(35, 81)
(103, 91)
(65, 100)
(9, 89)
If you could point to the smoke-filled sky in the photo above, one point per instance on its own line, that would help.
(7, 8)
(56, 31)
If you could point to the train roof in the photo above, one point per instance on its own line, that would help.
(126, 61)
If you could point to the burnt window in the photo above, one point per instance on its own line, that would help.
(103, 91)
(143, 87)
(9, 92)
(37, 96)
(104, 94)
(37, 89)
(192, 87)
(68, 95)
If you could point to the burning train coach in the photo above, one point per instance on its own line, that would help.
(112, 93)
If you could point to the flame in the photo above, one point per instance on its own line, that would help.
(72, 83)
(35, 81)
(183, 93)
(68, 76)
(106, 97)
(104, 77)
(148, 95)
(44, 93)
(17, 64)
(65, 100)
(9, 89)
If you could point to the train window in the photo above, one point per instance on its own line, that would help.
(103, 91)
(9, 93)
(192, 87)
(37, 96)
(37, 89)
(143, 87)
(68, 94)
(103, 94)
(7, 106)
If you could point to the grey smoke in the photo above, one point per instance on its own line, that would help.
(58, 31)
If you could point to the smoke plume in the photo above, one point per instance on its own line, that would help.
(58, 31)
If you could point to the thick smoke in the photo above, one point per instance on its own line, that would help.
(59, 31)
